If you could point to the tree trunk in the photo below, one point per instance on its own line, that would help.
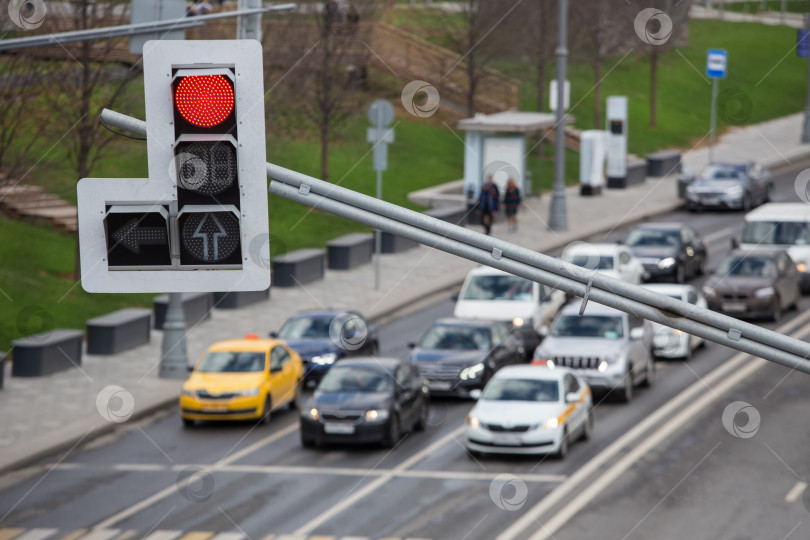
(541, 86)
(597, 94)
(325, 149)
(653, 84)
(471, 85)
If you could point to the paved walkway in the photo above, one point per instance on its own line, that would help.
(59, 411)
(772, 18)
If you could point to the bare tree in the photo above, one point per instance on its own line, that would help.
(600, 30)
(535, 25)
(323, 54)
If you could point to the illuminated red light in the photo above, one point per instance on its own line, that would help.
(204, 100)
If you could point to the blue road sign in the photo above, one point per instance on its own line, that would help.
(802, 43)
(716, 61)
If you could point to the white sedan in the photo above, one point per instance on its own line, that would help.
(614, 260)
(530, 410)
(670, 342)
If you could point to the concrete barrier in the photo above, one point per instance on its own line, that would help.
(118, 331)
(298, 267)
(457, 215)
(45, 353)
(636, 174)
(392, 243)
(663, 163)
(196, 307)
(349, 251)
(237, 299)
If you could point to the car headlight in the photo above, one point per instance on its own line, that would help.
(801, 267)
(602, 366)
(708, 291)
(185, 392)
(471, 372)
(472, 421)
(517, 321)
(249, 392)
(669, 262)
(376, 415)
(764, 292)
(313, 414)
(324, 359)
(551, 423)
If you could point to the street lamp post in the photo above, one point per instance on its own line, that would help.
(558, 219)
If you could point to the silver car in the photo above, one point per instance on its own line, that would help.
(610, 349)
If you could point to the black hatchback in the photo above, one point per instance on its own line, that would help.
(365, 400)
(671, 251)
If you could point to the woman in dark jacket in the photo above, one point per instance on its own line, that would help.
(512, 201)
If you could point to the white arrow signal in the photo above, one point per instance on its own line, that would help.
(220, 232)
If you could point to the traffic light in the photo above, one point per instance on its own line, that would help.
(191, 225)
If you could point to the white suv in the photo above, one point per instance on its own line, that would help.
(610, 349)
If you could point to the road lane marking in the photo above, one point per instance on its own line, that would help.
(719, 235)
(197, 535)
(163, 535)
(229, 536)
(795, 492)
(37, 534)
(162, 494)
(101, 534)
(74, 535)
(739, 364)
(139, 467)
(380, 481)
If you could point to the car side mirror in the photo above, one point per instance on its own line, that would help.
(475, 393)
(273, 334)
(411, 345)
(571, 397)
(275, 369)
(189, 368)
(454, 296)
(734, 243)
(637, 333)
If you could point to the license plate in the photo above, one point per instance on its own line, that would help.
(338, 428)
(507, 440)
(214, 408)
(733, 306)
(439, 385)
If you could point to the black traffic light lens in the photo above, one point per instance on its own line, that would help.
(207, 168)
(210, 237)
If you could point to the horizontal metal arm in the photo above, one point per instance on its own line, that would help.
(517, 260)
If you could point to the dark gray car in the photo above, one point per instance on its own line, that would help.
(730, 185)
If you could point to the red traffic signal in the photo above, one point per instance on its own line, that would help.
(204, 100)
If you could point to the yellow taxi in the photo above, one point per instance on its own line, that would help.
(242, 379)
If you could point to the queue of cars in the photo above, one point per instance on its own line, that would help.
(529, 360)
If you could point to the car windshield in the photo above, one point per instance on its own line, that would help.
(498, 287)
(522, 390)
(723, 172)
(232, 362)
(598, 326)
(592, 261)
(653, 237)
(356, 379)
(461, 338)
(789, 233)
(747, 266)
(306, 328)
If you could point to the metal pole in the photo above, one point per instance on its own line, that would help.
(378, 238)
(558, 219)
(713, 121)
(806, 126)
(173, 357)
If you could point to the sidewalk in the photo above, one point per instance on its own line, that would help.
(59, 411)
(772, 18)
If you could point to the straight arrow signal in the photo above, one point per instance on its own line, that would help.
(203, 232)
(132, 237)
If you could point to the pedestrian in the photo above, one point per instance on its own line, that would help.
(488, 204)
(511, 201)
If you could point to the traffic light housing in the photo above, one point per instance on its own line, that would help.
(191, 225)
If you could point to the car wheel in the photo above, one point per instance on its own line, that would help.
(392, 437)
(189, 423)
(680, 274)
(562, 452)
(626, 393)
(649, 375)
(267, 412)
(306, 442)
(795, 304)
(421, 422)
(474, 454)
(776, 309)
(295, 402)
(701, 269)
(587, 429)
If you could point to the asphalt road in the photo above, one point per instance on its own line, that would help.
(155, 478)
